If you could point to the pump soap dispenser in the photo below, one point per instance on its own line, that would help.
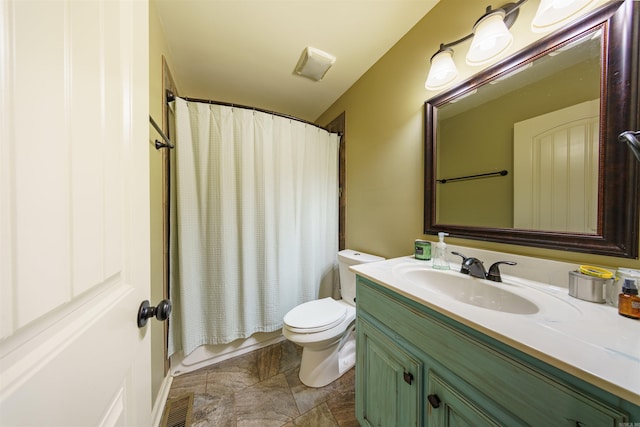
(440, 253)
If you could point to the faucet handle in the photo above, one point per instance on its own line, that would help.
(464, 269)
(475, 267)
(494, 270)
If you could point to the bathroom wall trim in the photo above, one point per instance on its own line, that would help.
(160, 401)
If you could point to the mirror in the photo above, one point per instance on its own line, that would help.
(527, 153)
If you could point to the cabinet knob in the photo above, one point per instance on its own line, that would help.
(434, 400)
(408, 377)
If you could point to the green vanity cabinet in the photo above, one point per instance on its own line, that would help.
(417, 367)
(391, 385)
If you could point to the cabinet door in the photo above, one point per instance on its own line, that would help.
(388, 381)
(451, 407)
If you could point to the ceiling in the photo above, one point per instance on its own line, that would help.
(244, 51)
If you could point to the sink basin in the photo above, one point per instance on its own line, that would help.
(469, 290)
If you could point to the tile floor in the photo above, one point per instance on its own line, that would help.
(262, 389)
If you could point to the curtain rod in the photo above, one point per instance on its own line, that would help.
(171, 97)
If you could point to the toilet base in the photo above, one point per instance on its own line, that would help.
(321, 367)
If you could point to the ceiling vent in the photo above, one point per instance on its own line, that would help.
(314, 63)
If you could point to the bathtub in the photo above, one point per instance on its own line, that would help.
(206, 355)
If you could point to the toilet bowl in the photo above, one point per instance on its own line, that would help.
(325, 328)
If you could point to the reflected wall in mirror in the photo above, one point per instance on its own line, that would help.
(564, 147)
(549, 116)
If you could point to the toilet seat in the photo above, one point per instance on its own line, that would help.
(315, 316)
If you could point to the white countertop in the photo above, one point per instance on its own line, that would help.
(588, 340)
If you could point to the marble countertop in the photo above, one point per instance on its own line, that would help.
(588, 340)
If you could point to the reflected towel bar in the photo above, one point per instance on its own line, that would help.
(167, 143)
(481, 175)
(633, 141)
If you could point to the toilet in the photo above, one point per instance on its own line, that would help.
(325, 328)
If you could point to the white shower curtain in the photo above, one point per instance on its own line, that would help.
(254, 227)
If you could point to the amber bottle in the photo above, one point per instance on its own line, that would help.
(629, 301)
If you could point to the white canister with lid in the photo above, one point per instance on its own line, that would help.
(615, 287)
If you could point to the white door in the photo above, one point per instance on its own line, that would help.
(74, 213)
(555, 168)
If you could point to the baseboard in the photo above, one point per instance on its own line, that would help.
(161, 399)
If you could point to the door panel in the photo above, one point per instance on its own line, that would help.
(388, 381)
(74, 213)
(556, 170)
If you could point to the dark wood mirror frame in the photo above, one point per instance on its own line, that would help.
(619, 171)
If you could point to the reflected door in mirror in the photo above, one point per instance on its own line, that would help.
(555, 170)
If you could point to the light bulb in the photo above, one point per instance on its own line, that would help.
(491, 37)
(443, 70)
(551, 14)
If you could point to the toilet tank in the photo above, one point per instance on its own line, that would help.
(346, 258)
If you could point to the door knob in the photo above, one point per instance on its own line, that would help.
(161, 311)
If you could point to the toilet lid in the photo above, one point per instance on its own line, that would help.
(315, 316)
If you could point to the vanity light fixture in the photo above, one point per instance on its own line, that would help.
(491, 37)
(443, 70)
(552, 14)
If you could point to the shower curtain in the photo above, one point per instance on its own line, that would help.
(254, 228)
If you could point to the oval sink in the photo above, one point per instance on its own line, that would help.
(469, 290)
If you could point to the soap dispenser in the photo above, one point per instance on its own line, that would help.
(440, 253)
